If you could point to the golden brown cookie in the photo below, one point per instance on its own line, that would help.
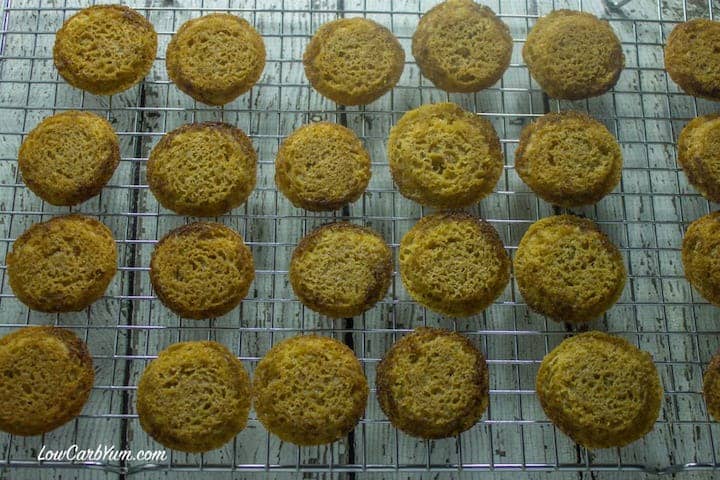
(341, 269)
(691, 57)
(699, 256)
(600, 390)
(711, 387)
(568, 269)
(69, 157)
(194, 397)
(46, 380)
(62, 265)
(309, 390)
(569, 159)
(573, 55)
(444, 157)
(454, 263)
(462, 46)
(322, 167)
(353, 61)
(201, 270)
(215, 58)
(433, 383)
(203, 169)
(699, 155)
(105, 49)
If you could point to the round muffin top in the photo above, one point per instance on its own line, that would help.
(203, 169)
(105, 49)
(69, 157)
(699, 155)
(711, 387)
(444, 157)
(341, 269)
(454, 263)
(462, 46)
(194, 397)
(573, 55)
(322, 167)
(569, 270)
(353, 61)
(691, 57)
(309, 390)
(201, 270)
(215, 58)
(699, 256)
(47, 378)
(600, 390)
(433, 383)
(62, 265)
(569, 159)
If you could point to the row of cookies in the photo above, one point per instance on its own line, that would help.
(459, 45)
(309, 390)
(452, 263)
(439, 155)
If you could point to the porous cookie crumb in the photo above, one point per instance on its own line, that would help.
(462, 46)
(573, 55)
(203, 169)
(353, 61)
(444, 157)
(201, 270)
(105, 49)
(341, 269)
(215, 58)
(322, 167)
(600, 390)
(194, 397)
(310, 390)
(433, 383)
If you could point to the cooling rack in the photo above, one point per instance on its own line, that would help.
(645, 216)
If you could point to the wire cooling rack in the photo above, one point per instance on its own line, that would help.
(645, 216)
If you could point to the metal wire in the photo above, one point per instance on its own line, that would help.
(646, 217)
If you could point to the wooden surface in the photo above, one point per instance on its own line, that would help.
(645, 217)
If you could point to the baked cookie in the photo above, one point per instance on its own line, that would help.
(453, 263)
(105, 49)
(691, 58)
(711, 387)
(444, 157)
(62, 265)
(69, 157)
(699, 256)
(353, 61)
(568, 270)
(309, 390)
(699, 155)
(201, 270)
(573, 55)
(194, 397)
(600, 390)
(322, 167)
(215, 58)
(569, 159)
(433, 383)
(203, 169)
(341, 269)
(47, 377)
(462, 46)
